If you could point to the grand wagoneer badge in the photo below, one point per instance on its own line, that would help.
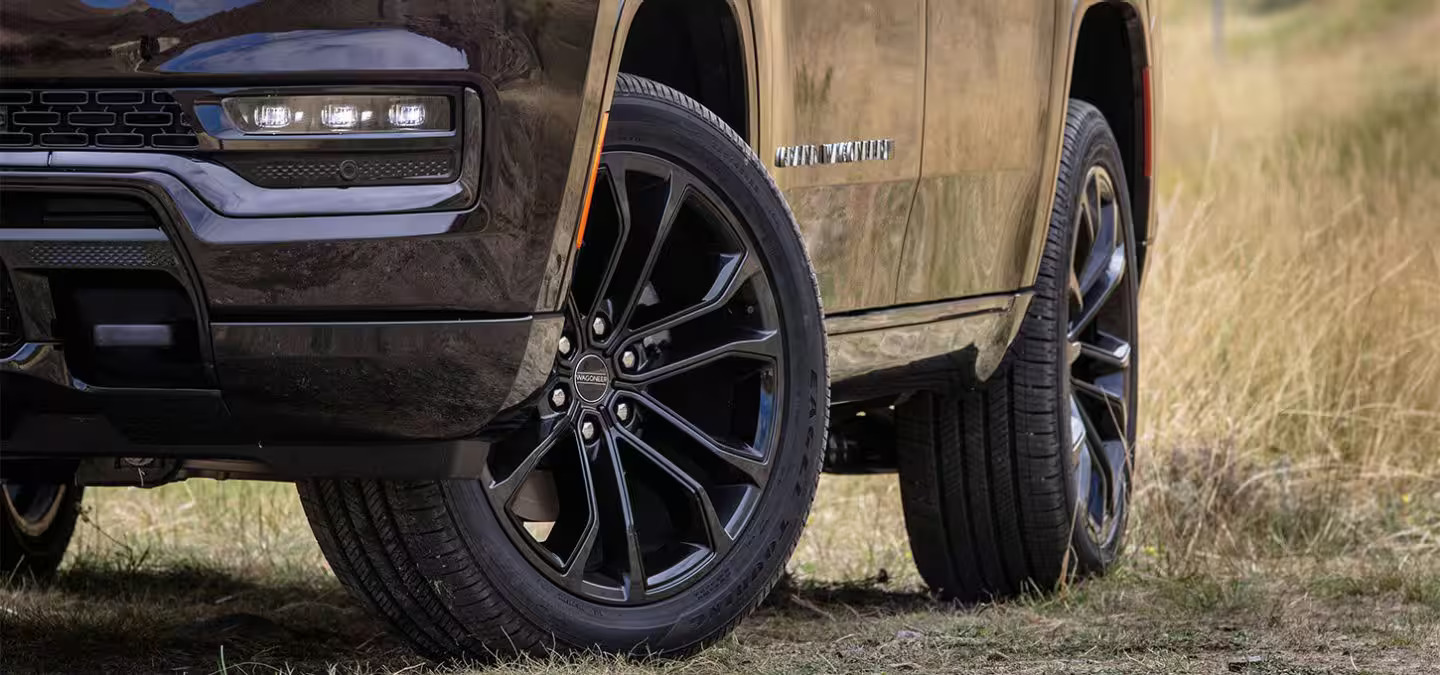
(834, 153)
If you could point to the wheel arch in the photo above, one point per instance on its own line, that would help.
(1110, 68)
(701, 48)
(627, 37)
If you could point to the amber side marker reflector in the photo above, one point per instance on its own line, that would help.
(1149, 123)
(594, 174)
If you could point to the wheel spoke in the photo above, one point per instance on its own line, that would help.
(574, 572)
(1114, 401)
(633, 583)
(503, 490)
(1102, 248)
(1107, 350)
(1113, 458)
(1078, 432)
(644, 231)
(615, 168)
(1076, 295)
(1087, 463)
(673, 201)
(733, 274)
(1094, 202)
(1086, 217)
(719, 539)
(1080, 456)
(1099, 292)
(1109, 458)
(755, 470)
(1084, 480)
(759, 344)
(596, 257)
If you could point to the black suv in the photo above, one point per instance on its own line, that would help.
(506, 288)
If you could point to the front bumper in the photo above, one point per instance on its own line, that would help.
(399, 330)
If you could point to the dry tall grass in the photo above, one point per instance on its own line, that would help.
(1291, 318)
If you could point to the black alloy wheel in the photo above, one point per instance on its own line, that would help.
(36, 523)
(658, 432)
(1101, 336)
(1023, 480)
(648, 497)
(33, 507)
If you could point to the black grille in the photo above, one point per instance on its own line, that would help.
(93, 118)
(10, 336)
(95, 254)
(348, 170)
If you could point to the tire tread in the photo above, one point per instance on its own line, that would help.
(995, 493)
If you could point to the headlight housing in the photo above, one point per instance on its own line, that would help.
(338, 114)
(342, 135)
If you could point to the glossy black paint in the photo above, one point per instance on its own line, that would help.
(340, 314)
(367, 381)
(502, 39)
(527, 66)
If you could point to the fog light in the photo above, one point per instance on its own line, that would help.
(331, 114)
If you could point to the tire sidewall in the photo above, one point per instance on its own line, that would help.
(647, 118)
(1095, 145)
(39, 555)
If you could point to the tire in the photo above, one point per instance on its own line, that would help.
(711, 509)
(1001, 482)
(38, 521)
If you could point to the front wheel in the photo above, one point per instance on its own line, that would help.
(36, 523)
(1026, 479)
(651, 495)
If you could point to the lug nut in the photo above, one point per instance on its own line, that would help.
(622, 411)
(563, 346)
(627, 359)
(558, 399)
(587, 430)
(598, 326)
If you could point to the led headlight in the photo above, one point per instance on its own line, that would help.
(338, 114)
(361, 136)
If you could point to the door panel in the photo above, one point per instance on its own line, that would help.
(835, 71)
(987, 106)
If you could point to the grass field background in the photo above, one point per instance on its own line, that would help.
(1288, 489)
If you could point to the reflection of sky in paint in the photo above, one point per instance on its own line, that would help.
(184, 10)
(377, 49)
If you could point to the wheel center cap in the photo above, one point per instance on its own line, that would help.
(592, 378)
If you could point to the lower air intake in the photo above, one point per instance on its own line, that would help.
(10, 333)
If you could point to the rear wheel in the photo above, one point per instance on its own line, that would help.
(650, 496)
(38, 521)
(1026, 479)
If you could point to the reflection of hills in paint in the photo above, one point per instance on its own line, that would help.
(44, 35)
(68, 37)
(58, 11)
(72, 19)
